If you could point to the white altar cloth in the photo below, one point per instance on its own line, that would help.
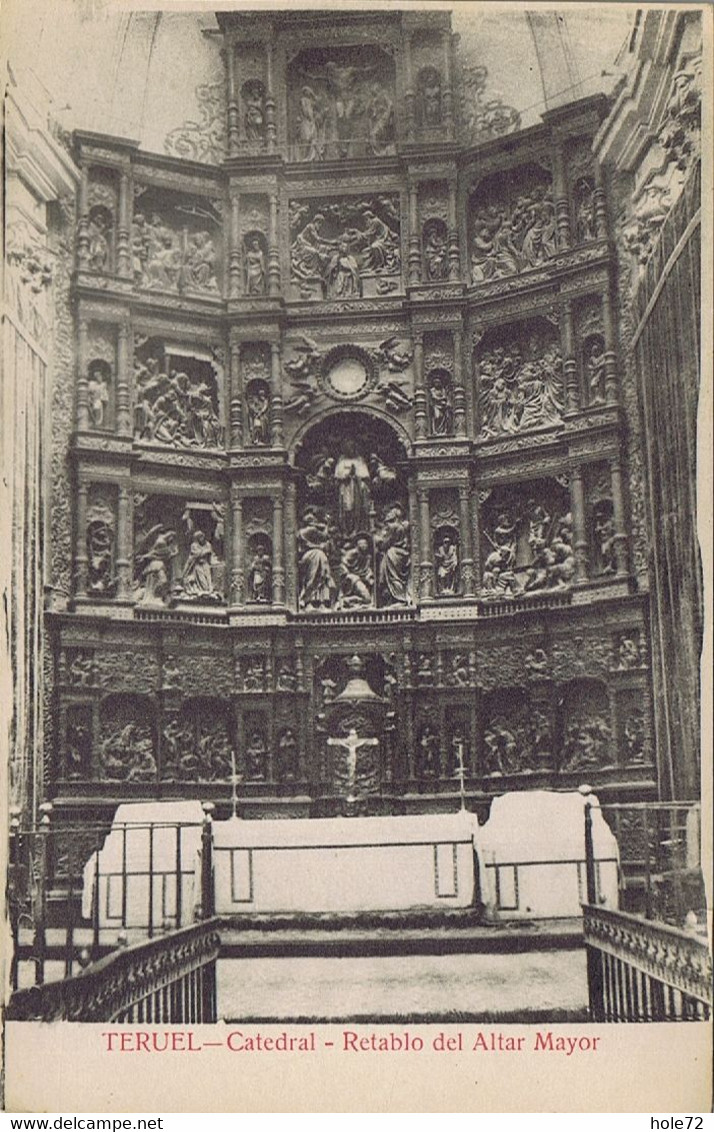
(145, 833)
(532, 856)
(344, 864)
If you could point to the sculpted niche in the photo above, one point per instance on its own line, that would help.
(345, 248)
(176, 242)
(353, 531)
(511, 224)
(341, 104)
(520, 379)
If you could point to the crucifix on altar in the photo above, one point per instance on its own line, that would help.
(352, 743)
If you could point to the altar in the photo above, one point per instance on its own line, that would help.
(357, 864)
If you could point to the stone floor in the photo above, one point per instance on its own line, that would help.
(533, 985)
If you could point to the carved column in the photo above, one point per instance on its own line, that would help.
(278, 552)
(467, 560)
(562, 203)
(599, 203)
(236, 402)
(234, 280)
(426, 586)
(454, 253)
(409, 92)
(608, 319)
(618, 516)
(273, 249)
(414, 252)
(276, 428)
(233, 119)
(448, 93)
(291, 524)
(570, 365)
(236, 547)
(459, 390)
(124, 226)
(123, 388)
(270, 130)
(124, 542)
(82, 359)
(580, 542)
(80, 556)
(83, 216)
(420, 413)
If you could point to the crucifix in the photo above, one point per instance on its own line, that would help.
(352, 744)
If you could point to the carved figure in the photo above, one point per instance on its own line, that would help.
(587, 744)
(200, 263)
(100, 545)
(97, 396)
(98, 233)
(174, 408)
(520, 392)
(425, 669)
(254, 676)
(596, 371)
(127, 754)
(380, 121)
(253, 113)
(78, 750)
(154, 560)
(396, 355)
(629, 652)
(254, 266)
(459, 674)
(342, 274)
(286, 681)
(436, 264)
(501, 749)
(354, 497)
(197, 579)
(260, 576)
(585, 221)
(311, 125)
(288, 756)
(428, 761)
(440, 404)
(537, 662)
(392, 540)
(498, 572)
(510, 237)
(446, 561)
(256, 758)
(356, 573)
(604, 531)
(259, 416)
(430, 112)
(317, 586)
(634, 736)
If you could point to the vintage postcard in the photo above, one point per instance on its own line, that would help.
(356, 556)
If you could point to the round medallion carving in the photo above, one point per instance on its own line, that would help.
(348, 373)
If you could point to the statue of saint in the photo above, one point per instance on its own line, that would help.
(260, 575)
(197, 579)
(446, 559)
(353, 491)
(395, 559)
(317, 586)
(254, 262)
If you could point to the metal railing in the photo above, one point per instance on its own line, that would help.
(71, 901)
(169, 979)
(642, 971)
(640, 968)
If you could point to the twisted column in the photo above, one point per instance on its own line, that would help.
(276, 426)
(278, 552)
(580, 542)
(459, 391)
(235, 416)
(414, 246)
(453, 236)
(83, 220)
(123, 264)
(467, 560)
(123, 381)
(562, 202)
(236, 547)
(608, 319)
(420, 409)
(81, 559)
(618, 517)
(232, 102)
(270, 128)
(82, 359)
(124, 542)
(426, 581)
(234, 279)
(273, 248)
(570, 365)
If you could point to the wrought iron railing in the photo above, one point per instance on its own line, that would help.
(642, 971)
(168, 979)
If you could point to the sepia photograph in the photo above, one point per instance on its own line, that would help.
(353, 566)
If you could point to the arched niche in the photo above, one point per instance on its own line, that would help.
(435, 251)
(352, 537)
(255, 263)
(259, 569)
(127, 739)
(439, 386)
(587, 742)
(252, 94)
(429, 107)
(196, 744)
(100, 395)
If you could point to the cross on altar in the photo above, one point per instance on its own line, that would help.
(461, 772)
(352, 743)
